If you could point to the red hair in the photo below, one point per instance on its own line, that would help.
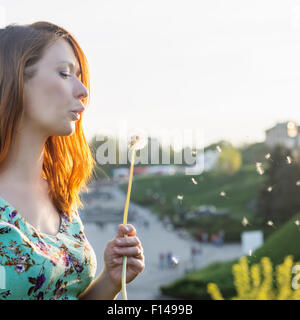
(68, 162)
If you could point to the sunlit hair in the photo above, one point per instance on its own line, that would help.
(68, 162)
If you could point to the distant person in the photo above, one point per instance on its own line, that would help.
(165, 221)
(146, 224)
(169, 258)
(220, 238)
(213, 238)
(204, 237)
(199, 235)
(218, 241)
(222, 233)
(193, 252)
(161, 260)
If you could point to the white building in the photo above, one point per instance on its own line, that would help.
(210, 159)
(286, 134)
(204, 162)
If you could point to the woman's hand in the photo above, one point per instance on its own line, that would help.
(120, 246)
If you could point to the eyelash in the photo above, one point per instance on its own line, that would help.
(65, 75)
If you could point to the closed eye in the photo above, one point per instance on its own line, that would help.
(65, 75)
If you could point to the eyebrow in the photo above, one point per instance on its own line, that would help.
(71, 66)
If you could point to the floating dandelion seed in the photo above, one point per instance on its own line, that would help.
(194, 181)
(298, 183)
(179, 197)
(297, 223)
(219, 149)
(289, 159)
(259, 168)
(245, 222)
(268, 156)
(175, 260)
(270, 189)
(251, 253)
(270, 223)
(194, 152)
(223, 194)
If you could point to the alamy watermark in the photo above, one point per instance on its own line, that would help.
(188, 146)
(296, 278)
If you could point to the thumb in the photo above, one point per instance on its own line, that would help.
(126, 229)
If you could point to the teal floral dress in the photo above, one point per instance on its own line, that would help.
(38, 266)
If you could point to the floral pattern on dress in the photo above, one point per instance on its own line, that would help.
(40, 266)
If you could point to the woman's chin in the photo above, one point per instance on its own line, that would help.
(67, 131)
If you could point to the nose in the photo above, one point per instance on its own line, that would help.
(81, 91)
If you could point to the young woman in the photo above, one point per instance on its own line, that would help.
(44, 162)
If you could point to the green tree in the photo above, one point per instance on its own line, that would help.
(279, 198)
(230, 160)
(255, 152)
(222, 144)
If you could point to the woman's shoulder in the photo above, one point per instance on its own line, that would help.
(10, 233)
(75, 221)
(8, 216)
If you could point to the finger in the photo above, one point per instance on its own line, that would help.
(137, 264)
(128, 251)
(130, 260)
(128, 242)
(127, 229)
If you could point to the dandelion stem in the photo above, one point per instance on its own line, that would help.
(124, 293)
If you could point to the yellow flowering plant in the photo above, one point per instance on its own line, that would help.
(257, 282)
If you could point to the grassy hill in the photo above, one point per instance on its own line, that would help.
(285, 241)
(240, 189)
(159, 193)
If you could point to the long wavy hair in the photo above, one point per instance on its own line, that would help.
(68, 161)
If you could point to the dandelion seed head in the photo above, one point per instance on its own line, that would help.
(180, 197)
(297, 223)
(270, 223)
(268, 156)
(223, 194)
(138, 140)
(270, 189)
(298, 183)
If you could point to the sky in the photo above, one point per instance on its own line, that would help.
(228, 68)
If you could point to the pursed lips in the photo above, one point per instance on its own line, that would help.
(76, 115)
(77, 112)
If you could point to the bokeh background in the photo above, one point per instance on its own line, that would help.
(230, 69)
